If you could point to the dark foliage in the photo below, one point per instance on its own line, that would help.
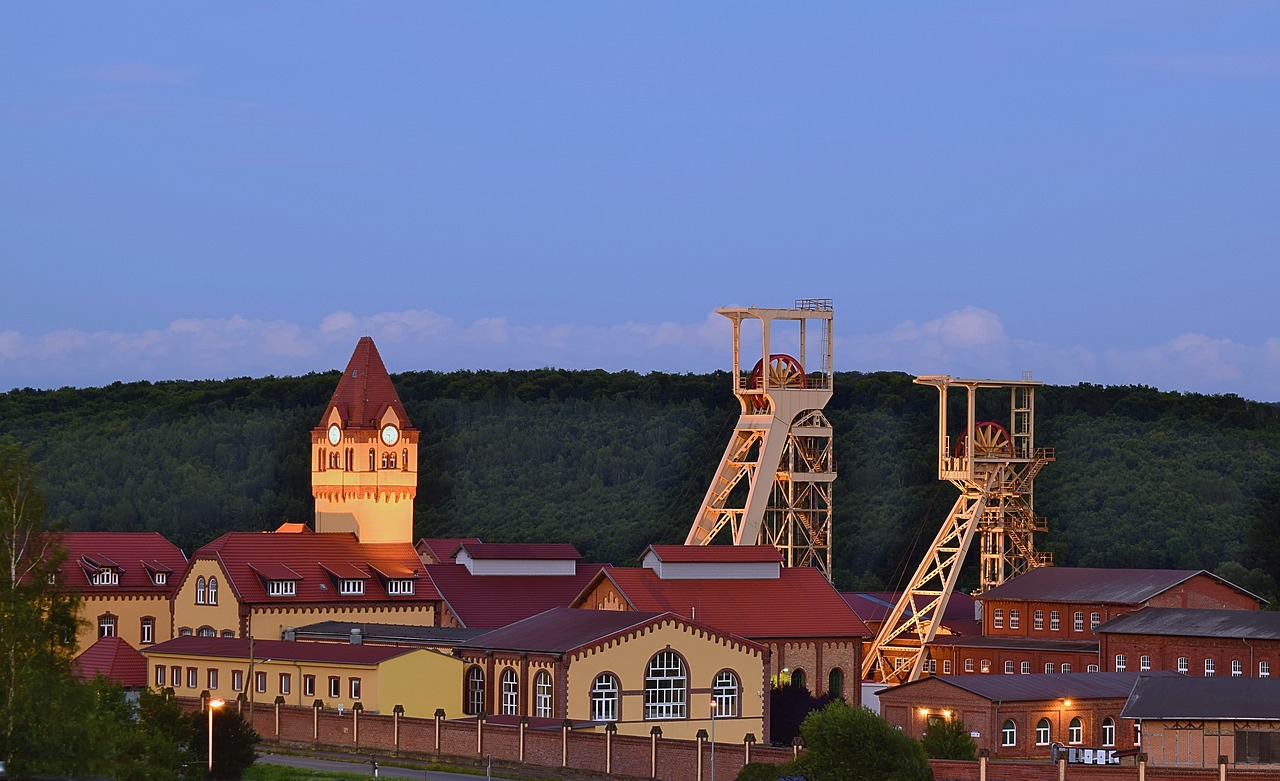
(948, 739)
(844, 743)
(789, 704)
(234, 742)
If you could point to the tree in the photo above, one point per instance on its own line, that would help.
(948, 739)
(234, 742)
(37, 620)
(844, 743)
(789, 704)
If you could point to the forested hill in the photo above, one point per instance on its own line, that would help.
(614, 461)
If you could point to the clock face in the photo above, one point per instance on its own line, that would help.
(335, 434)
(390, 435)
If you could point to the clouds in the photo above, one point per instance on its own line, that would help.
(970, 342)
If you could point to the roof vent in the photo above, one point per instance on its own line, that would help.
(357, 637)
(290, 634)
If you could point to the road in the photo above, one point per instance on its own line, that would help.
(350, 766)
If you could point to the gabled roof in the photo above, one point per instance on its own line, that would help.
(278, 650)
(135, 556)
(798, 603)
(1059, 686)
(1096, 585)
(1229, 699)
(492, 601)
(251, 558)
(719, 554)
(507, 551)
(365, 391)
(1195, 622)
(115, 660)
(441, 549)
(563, 630)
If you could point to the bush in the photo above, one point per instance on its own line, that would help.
(855, 744)
(764, 771)
(948, 739)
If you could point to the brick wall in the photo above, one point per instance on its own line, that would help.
(1165, 650)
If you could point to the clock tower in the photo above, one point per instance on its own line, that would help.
(364, 455)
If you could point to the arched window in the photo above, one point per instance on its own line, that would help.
(320, 461)
(200, 591)
(835, 681)
(542, 695)
(510, 693)
(474, 702)
(350, 460)
(604, 698)
(1043, 733)
(797, 678)
(373, 465)
(1075, 731)
(207, 631)
(404, 459)
(386, 460)
(724, 692)
(213, 591)
(666, 685)
(1108, 731)
(391, 460)
(1009, 733)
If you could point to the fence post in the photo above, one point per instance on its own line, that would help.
(1142, 766)
(480, 732)
(564, 742)
(609, 730)
(396, 713)
(654, 735)
(524, 724)
(797, 743)
(279, 701)
(356, 710)
(439, 718)
(315, 719)
(1062, 766)
(983, 755)
(747, 743)
(1222, 767)
(701, 737)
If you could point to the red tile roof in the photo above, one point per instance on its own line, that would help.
(276, 650)
(798, 603)
(365, 391)
(250, 557)
(492, 601)
(135, 556)
(728, 554)
(442, 548)
(557, 551)
(114, 659)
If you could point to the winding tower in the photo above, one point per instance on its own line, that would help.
(994, 465)
(773, 485)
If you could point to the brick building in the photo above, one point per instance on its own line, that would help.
(1207, 643)
(1193, 721)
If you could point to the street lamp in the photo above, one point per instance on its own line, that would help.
(713, 739)
(213, 705)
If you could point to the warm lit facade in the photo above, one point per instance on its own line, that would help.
(124, 580)
(1206, 643)
(634, 670)
(338, 675)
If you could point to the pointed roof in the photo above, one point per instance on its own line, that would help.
(115, 660)
(365, 390)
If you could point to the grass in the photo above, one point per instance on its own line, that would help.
(261, 771)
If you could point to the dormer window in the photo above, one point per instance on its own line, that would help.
(400, 587)
(282, 588)
(106, 577)
(351, 587)
(160, 578)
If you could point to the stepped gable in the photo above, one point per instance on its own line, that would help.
(798, 603)
(1097, 585)
(315, 562)
(142, 562)
(115, 660)
(365, 391)
(493, 601)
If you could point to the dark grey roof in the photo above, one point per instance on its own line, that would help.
(559, 630)
(1019, 644)
(1039, 686)
(1194, 622)
(1097, 585)
(399, 634)
(1205, 698)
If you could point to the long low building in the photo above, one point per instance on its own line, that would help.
(1193, 721)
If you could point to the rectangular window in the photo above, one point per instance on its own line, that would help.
(1093, 621)
(933, 667)
(1093, 668)
(282, 588)
(399, 587)
(1037, 620)
(968, 665)
(1184, 664)
(1209, 668)
(106, 625)
(1120, 663)
(1026, 668)
(1066, 667)
(148, 633)
(160, 675)
(1144, 662)
(1079, 621)
(946, 666)
(1014, 619)
(355, 688)
(1008, 667)
(1048, 668)
(286, 683)
(193, 678)
(237, 680)
(308, 686)
(1053, 620)
(175, 676)
(351, 587)
(212, 677)
(997, 619)
(1009, 734)
(1237, 668)
(1264, 669)
(335, 687)
(260, 682)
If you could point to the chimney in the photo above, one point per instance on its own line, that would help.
(290, 633)
(357, 637)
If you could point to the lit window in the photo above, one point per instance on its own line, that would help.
(1043, 736)
(997, 619)
(282, 588)
(399, 587)
(1108, 731)
(200, 591)
(1121, 663)
(106, 625)
(542, 695)
(985, 666)
(510, 693)
(1184, 664)
(1237, 668)
(665, 686)
(352, 586)
(1037, 620)
(1075, 731)
(724, 692)
(1009, 733)
(1144, 662)
(1053, 620)
(604, 698)
(475, 692)
(1209, 668)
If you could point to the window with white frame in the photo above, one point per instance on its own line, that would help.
(1144, 662)
(1025, 668)
(1184, 664)
(1037, 620)
(193, 678)
(1121, 663)
(1078, 621)
(200, 590)
(351, 587)
(213, 592)
(510, 705)
(968, 665)
(1075, 731)
(212, 677)
(604, 698)
(475, 692)
(946, 670)
(724, 692)
(282, 588)
(286, 683)
(1237, 668)
(665, 686)
(335, 687)
(997, 618)
(175, 676)
(1009, 733)
(1093, 668)
(160, 675)
(106, 625)
(1264, 669)
(1053, 621)
(1094, 621)
(159, 578)
(1008, 667)
(308, 686)
(1048, 668)
(1014, 618)
(542, 695)
(106, 577)
(237, 680)
(1043, 736)
(1066, 667)
(1209, 668)
(354, 687)
(260, 682)
(400, 587)
(1108, 731)
(148, 631)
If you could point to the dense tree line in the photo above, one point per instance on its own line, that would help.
(613, 461)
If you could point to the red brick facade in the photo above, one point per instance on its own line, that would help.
(1219, 656)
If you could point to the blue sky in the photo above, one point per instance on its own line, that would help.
(1087, 191)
